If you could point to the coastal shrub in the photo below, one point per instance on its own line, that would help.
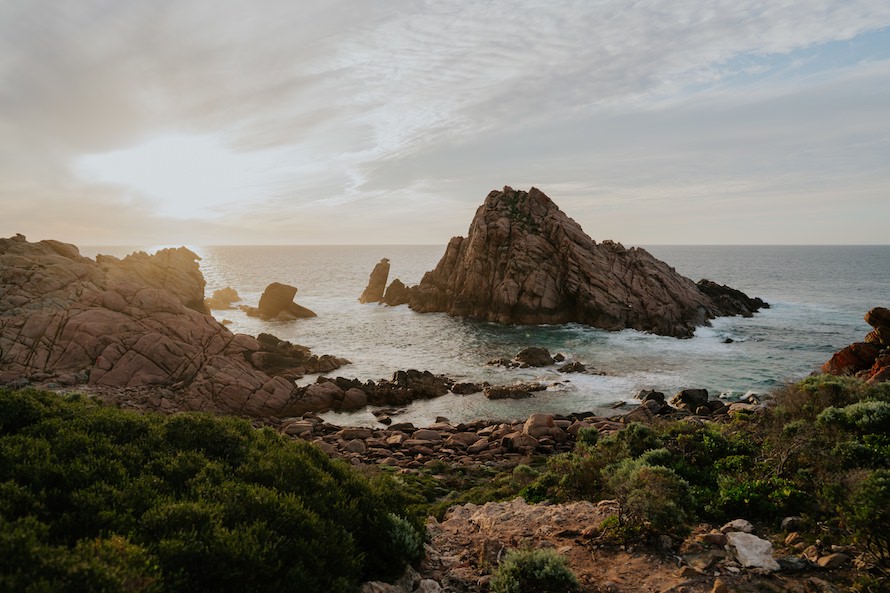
(868, 451)
(572, 476)
(868, 515)
(807, 398)
(757, 498)
(406, 540)
(651, 497)
(864, 417)
(97, 499)
(633, 441)
(533, 571)
(588, 436)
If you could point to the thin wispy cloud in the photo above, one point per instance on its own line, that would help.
(356, 122)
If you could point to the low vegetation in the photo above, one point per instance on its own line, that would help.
(821, 451)
(533, 571)
(97, 499)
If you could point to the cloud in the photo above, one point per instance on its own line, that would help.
(394, 119)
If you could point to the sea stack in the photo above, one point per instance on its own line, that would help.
(373, 292)
(524, 261)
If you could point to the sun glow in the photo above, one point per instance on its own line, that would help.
(186, 176)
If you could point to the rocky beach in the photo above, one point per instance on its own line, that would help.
(135, 333)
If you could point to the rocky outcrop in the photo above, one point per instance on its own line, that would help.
(172, 270)
(517, 391)
(373, 292)
(730, 301)
(397, 294)
(277, 302)
(133, 323)
(342, 394)
(869, 359)
(525, 262)
(533, 356)
(222, 299)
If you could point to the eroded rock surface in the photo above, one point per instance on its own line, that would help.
(223, 298)
(376, 287)
(525, 262)
(277, 302)
(870, 359)
(133, 323)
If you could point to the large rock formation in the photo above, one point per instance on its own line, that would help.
(376, 287)
(132, 323)
(524, 261)
(277, 302)
(869, 360)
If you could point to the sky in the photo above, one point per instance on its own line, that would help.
(126, 122)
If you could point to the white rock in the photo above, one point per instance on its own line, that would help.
(429, 586)
(751, 551)
(738, 525)
(378, 587)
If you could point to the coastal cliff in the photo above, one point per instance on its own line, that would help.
(524, 261)
(139, 322)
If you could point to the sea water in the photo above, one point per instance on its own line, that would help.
(818, 296)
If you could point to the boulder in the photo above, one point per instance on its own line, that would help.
(465, 388)
(740, 525)
(397, 294)
(690, 399)
(519, 442)
(517, 391)
(879, 336)
(646, 395)
(573, 367)
(833, 561)
(524, 261)
(222, 299)
(869, 359)
(751, 551)
(878, 317)
(353, 399)
(318, 397)
(856, 357)
(540, 425)
(534, 357)
(376, 287)
(277, 301)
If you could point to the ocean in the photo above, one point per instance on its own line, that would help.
(818, 296)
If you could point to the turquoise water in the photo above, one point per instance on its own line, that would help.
(818, 296)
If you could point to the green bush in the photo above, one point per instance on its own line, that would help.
(573, 476)
(865, 417)
(96, 499)
(533, 571)
(633, 441)
(652, 498)
(868, 515)
(588, 436)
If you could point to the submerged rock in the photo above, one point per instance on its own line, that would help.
(525, 262)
